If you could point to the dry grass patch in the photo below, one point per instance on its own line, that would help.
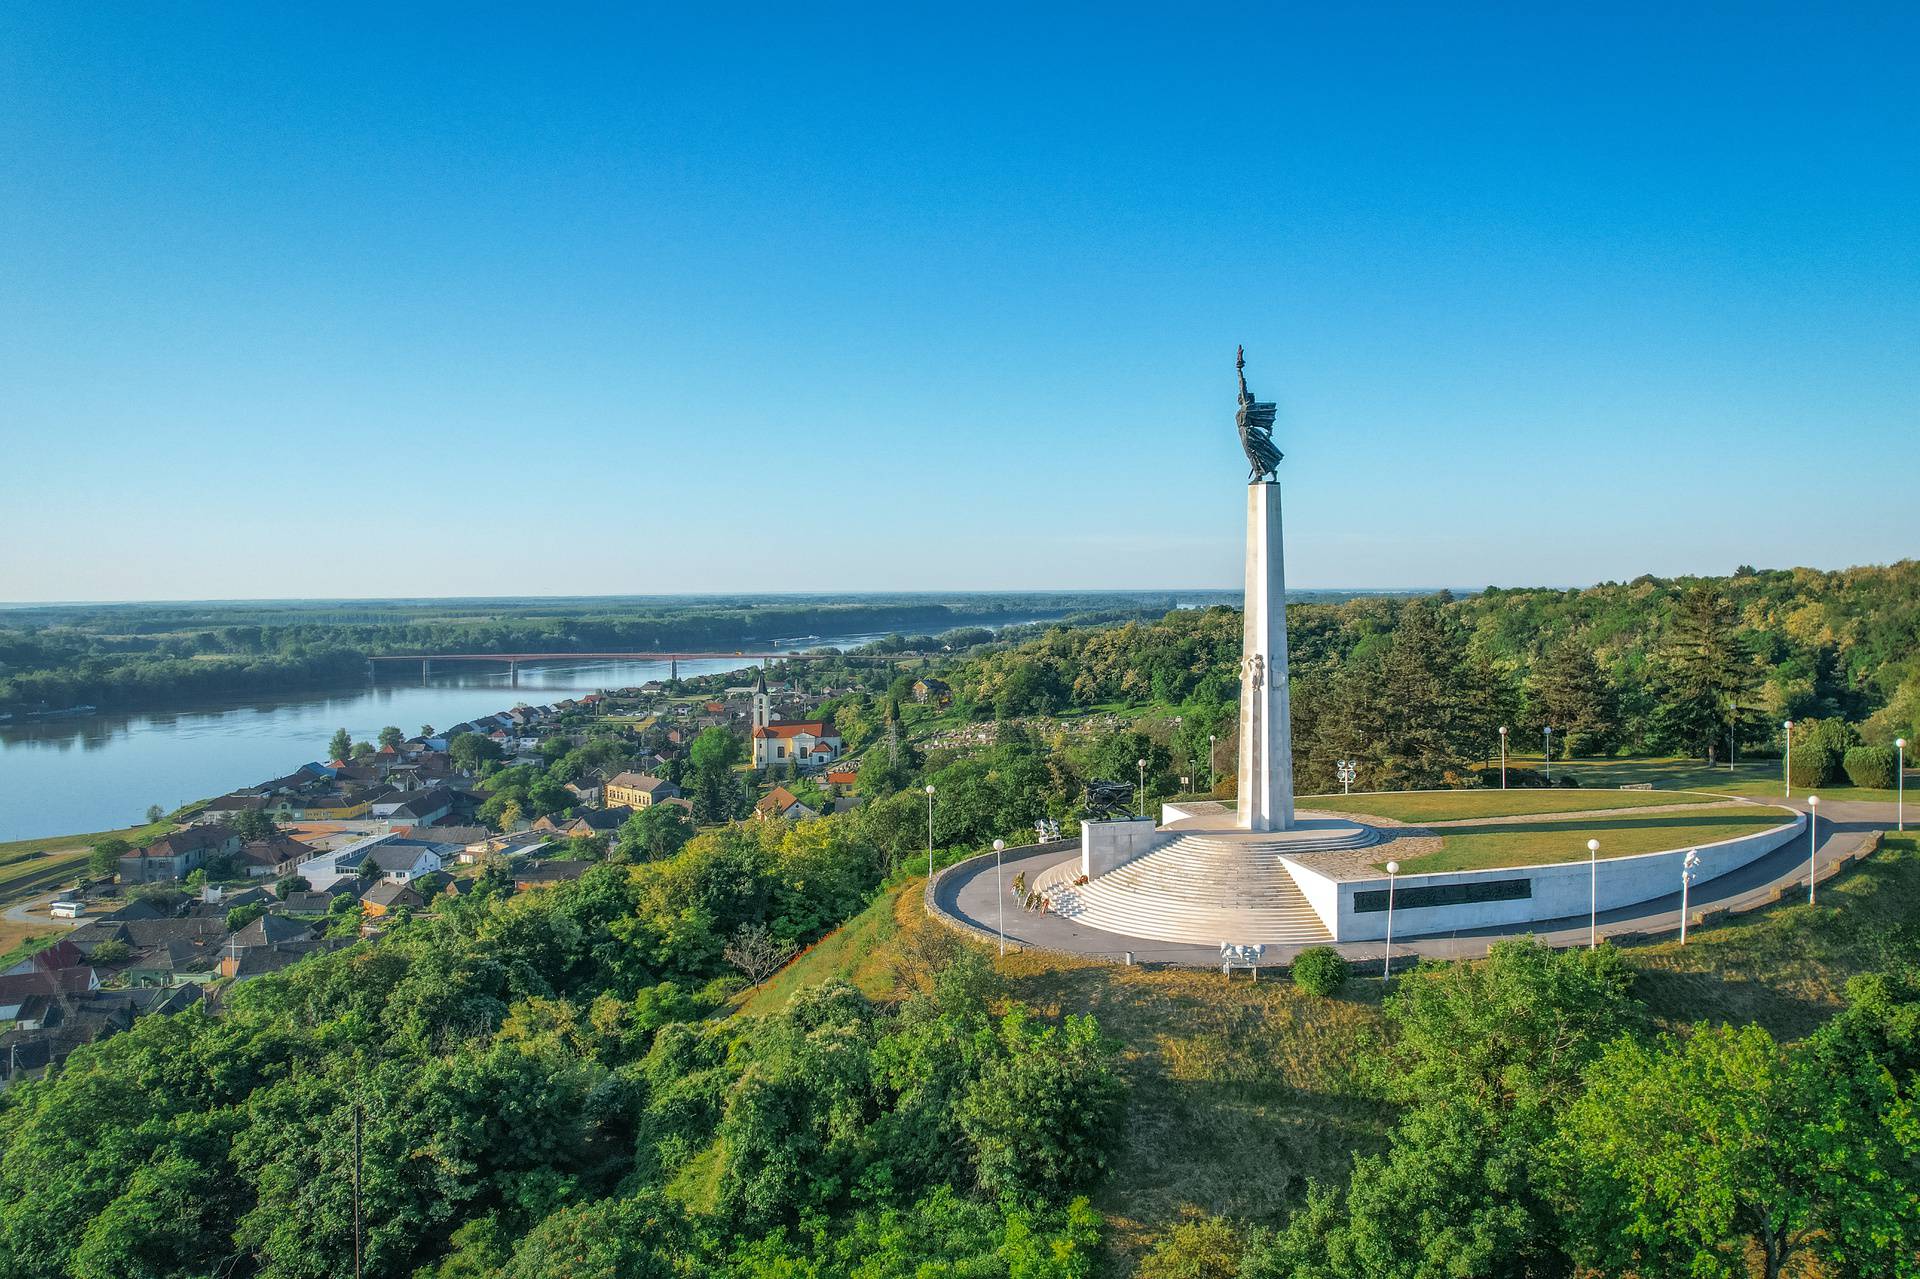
(1240, 1090)
(1787, 967)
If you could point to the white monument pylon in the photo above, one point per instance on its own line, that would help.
(1265, 793)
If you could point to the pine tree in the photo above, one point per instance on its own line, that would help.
(1571, 692)
(1416, 713)
(1705, 670)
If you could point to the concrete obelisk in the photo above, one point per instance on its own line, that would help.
(1266, 729)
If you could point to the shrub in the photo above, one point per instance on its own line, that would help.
(1819, 746)
(240, 916)
(1872, 766)
(1206, 1248)
(1319, 970)
(1813, 764)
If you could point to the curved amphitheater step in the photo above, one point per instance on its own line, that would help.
(1198, 888)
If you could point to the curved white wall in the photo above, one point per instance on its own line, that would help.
(1560, 890)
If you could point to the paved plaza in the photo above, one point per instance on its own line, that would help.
(965, 895)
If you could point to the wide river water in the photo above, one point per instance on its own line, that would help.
(98, 772)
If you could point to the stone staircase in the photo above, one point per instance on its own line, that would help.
(1202, 888)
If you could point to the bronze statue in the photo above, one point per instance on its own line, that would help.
(1108, 801)
(1256, 428)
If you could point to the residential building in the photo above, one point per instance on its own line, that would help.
(175, 856)
(780, 802)
(638, 790)
(546, 874)
(274, 857)
(388, 896)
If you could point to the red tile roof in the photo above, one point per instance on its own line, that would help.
(816, 727)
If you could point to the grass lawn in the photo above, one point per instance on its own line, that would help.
(1760, 779)
(856, 952)
(17, 941)
(1546, 842)
(1418, 807)
(32, 866)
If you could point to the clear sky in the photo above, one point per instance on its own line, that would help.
(326, 300)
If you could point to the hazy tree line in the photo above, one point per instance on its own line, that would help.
(133, 655)
(1416, 690)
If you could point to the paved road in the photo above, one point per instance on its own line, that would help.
(965, 893)
(25, 912)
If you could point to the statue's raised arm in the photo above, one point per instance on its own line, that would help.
(1255, 421)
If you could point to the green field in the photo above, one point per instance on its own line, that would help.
(1477, 847)
(1419, 807)
(32, 866)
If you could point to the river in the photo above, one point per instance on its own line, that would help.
(99, 772)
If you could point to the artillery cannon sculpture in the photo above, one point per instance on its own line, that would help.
(1108, 801)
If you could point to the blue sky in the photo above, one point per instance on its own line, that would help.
(485, 301)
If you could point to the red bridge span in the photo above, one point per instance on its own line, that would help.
(673, 659)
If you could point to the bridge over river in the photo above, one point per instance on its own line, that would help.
(513, 660)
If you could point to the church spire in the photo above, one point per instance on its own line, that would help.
(762, 700)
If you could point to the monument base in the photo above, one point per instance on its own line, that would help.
(1197, 878)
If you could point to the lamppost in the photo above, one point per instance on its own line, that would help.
(1346, 770)
(1593, 888)
(1900, 783)
(1813, 841)
(1176, 736)
(1386, 966)
(1786, 761)
(929, 841)
(1549, 754)
(1503, 757)
(1140, 806)
(1210, 765)
(1687, 869)
(1733, 720)
(999, 847)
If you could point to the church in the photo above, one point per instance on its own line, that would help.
(813, 743)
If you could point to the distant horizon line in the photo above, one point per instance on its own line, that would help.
(1035, 591)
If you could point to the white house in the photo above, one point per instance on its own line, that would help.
(399, 858)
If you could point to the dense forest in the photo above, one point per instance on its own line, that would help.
(547, 1086)
(1416, 690)
(533, 1086)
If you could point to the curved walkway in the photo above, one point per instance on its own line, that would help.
(964, 896)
